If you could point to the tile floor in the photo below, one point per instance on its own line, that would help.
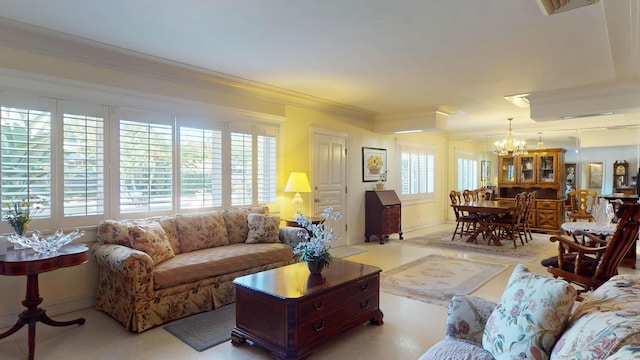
(410, 327)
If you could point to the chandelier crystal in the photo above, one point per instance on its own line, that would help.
(510, 146)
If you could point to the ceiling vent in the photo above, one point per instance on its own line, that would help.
(550, 7)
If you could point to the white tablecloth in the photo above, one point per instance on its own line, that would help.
(590, 227)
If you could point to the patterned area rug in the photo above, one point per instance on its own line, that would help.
(435, 278)
(205, 330)
(527, 253)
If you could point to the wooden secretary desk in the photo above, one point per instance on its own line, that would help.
(382, 214)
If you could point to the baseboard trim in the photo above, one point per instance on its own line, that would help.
(8, 319)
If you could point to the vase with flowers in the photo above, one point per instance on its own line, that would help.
(315, 247)
(19, 213)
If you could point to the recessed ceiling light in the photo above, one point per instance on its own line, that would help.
(407, 131)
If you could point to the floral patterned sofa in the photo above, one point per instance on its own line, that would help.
(155, 270)
(534, 321)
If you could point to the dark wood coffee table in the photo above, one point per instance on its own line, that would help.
(291, 312)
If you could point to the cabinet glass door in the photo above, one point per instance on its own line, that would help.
(547, 165)
(507, 169)
(527, 169)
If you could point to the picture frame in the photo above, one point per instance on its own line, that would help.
(595, 174)
(374, 163)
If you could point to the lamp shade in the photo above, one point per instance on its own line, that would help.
(298, 183)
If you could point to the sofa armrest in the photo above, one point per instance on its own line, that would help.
(129, 270)
(467, 316)
(289, 235)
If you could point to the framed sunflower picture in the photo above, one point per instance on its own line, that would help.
(374, 164)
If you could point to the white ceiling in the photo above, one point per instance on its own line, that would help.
(390, 57)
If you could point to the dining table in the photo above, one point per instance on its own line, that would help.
(485, 212)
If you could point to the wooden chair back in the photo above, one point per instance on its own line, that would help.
(582, 201)
(625, 236)
(469, 195)
(484, 194)
(456, 198)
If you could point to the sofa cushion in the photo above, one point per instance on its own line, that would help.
(201, 231)
(263, 228)
(603, 322)
(531, 314)
(204, 263)
(236, 223)
(456, 349)
(117, 231)
(151, 239)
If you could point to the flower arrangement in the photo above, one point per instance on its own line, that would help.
(317, 238)
(374, 163)
(20, 212)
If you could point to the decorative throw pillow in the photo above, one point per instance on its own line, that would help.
(152, 240)
(531, 314)
(201, 231)
(263, 228)
(236, 223)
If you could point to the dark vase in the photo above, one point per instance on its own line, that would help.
(21, 230)
(316, 266)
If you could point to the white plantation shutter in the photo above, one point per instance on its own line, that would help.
(417, 170)
(83, 153)
(146, 165)
(466, 170)
(241, 168)
(267, 169)
(200, 168)
(26, 153)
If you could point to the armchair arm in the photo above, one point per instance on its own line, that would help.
(571, 245)
(467, 316)
(126, 269)
(289, 235)
(592, 237)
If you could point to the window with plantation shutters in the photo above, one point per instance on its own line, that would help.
(146, 166)
(83, 153)
(200, 168)
(466, 170)
(417, 170)
(266, 169)
(241, 168)
(26, 156)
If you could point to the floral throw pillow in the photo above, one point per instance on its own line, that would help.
(263, 228)
(152, 240)
(531, 315)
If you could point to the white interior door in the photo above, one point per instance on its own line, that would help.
(329, 179)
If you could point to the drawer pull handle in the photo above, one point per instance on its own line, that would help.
(364, 287)
(319, 328)
(319, 306)
(364, 305)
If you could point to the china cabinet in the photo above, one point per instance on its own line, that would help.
(540, 171)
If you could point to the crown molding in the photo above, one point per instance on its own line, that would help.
(26, 37)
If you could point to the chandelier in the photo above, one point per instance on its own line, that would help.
(510, 146)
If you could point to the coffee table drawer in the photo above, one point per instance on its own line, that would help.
(319, 306)
(341, 316)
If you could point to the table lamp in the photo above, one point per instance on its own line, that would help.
(297, 183)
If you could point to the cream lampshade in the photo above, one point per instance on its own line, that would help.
(298, 182)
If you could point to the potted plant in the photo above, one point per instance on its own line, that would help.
(315, 247)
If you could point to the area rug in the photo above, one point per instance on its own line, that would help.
(345, 251)
(527, 253)
(205, 330)
(435, 278)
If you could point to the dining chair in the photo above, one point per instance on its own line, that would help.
(469, 195)
(484, 194)
(589, 266)
(510, 225)
(528, 216)
(465, 223)
(581, 202)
